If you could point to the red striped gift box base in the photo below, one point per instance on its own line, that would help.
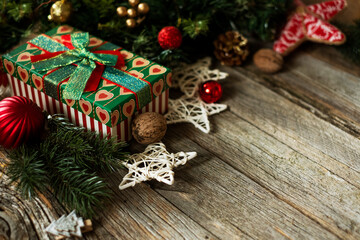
(122, 131)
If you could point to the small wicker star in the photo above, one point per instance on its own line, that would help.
(192, 110)
(154, 163)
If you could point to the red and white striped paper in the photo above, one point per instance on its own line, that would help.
(122, 131)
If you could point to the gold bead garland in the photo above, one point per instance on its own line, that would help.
(136, 14)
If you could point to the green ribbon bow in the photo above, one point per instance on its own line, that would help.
(83, 58)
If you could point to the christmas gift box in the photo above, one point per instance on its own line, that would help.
(95, 83)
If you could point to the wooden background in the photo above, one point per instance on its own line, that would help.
(282, 163)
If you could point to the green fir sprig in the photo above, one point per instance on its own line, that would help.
(71, 163)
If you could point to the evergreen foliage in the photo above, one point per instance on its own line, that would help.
(70, 162)
(200, 22)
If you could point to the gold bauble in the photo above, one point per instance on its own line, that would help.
(143, 8)
(130, 23)
(134, 2)
(131, 12)
(121, 11)
(60, 11)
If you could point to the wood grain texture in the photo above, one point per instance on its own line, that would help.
(140, 214)
(229, 203)
(329, 91)
(281, 163)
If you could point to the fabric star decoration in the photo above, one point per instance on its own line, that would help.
(154, 163)
(190, 107)
(311, 23)
(66, 226)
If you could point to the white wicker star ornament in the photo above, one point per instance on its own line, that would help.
(154, 163)
(190, 107)
(193, 110)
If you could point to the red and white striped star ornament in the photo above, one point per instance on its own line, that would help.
(310, 23)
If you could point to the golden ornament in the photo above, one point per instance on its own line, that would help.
(131, 12)
(121, 11)
(143, 8)
(133, 3)
(60, 11)
(231, 48)
(130, 23)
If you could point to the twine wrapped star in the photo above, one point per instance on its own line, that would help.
(154, 163)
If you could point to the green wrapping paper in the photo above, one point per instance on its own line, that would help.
(125, 91)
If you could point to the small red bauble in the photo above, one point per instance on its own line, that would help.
(210, 91)
(170, 38)
(20, 120)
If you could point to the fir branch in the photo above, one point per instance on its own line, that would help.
(70, 162)
(26, 169)
(196, 27)
(89, 149)
(77, 188)
(262, 17)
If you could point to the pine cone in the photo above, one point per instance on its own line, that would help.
(231, 48)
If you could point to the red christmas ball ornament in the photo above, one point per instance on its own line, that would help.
(210, 91)
(170, 38)
(20, 120)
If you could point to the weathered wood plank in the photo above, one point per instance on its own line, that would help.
(224, 200)
(140, 213)
(331, 93)
(327, 192)
(298, 128)
(21, 219)
(134, 214)
(330, 55)
(291, 177)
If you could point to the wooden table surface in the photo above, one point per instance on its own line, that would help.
(282, 163)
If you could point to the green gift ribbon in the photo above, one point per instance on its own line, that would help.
(83, 58)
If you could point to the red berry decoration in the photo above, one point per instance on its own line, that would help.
(170, 38)
(210, 91)
(20, 120)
